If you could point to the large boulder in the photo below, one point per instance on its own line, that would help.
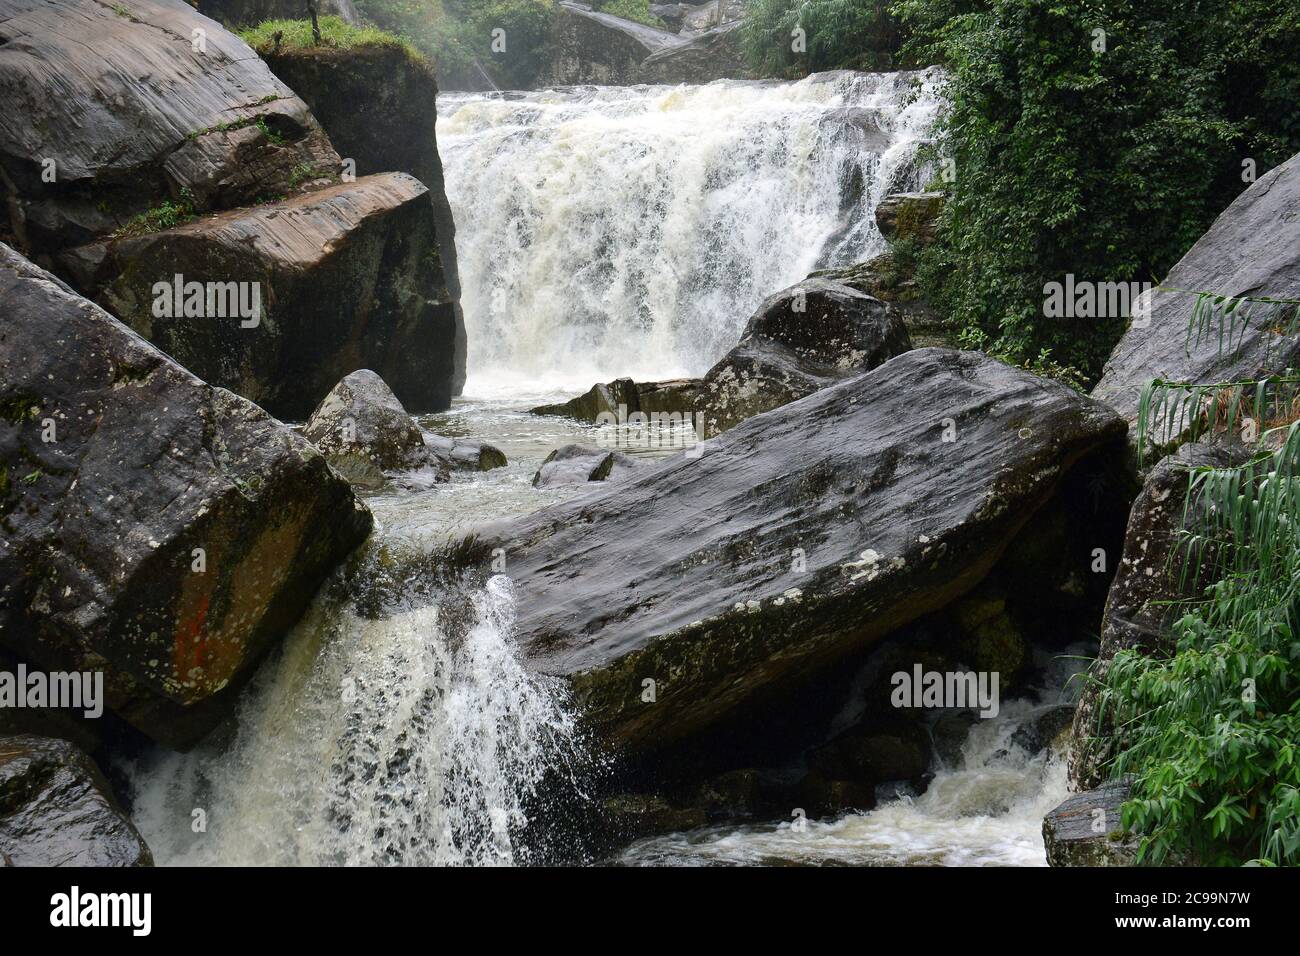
(157, 529)
(395, 132)
(1143, 599)
(818, 528)
(1253, 249)
(155, 103)
(713, 54)
(56, 809)
(1085, 830)
(364, 432)
(341, 275)
(465, 454)
(801, 339)
(599, 48)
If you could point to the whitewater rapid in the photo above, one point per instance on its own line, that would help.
(605, 231)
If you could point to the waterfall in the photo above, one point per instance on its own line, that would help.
(609, 231)
(387, 741)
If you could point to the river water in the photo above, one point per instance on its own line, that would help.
(601, 233)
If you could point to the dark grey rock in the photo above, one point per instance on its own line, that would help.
(874, 752)
(138, 117)
(592, 47)
(1085, 830)
(819, 528)
(342, 276)
(56, 809)
(579, 464)
(910, 217)
(100, 524)
(1253, 248)
(801, 339)
(465, 454)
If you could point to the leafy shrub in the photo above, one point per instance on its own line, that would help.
(839, 34)
(1105, 155)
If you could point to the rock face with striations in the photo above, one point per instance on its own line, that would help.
(1253, 248)
(1140, 607)
(56, 809)
(592, 47)
(155, 528)
(141, 116)
(797, 537)
(341, 277)
(800, 340)
(1085, 830)
(394, 132)
(713, 54)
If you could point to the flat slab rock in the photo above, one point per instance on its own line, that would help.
(339, 274)
(1085, 830)
(794, 538)
(116, 464)
(56, 809)
(131, 114)
(1253, 248)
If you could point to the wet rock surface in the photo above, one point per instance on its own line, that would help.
(56, 809)
(157, 529)
(819, 527)
(801, 339)
(1253, 248)
(340, 277)
(1085, 830)
(578, 464)
(140, 118)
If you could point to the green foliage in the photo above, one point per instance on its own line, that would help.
(335, 33)
(1212, 730)
(638, 10)
(165, 215)
(840, 34)
(1102, 160)
(457, 36)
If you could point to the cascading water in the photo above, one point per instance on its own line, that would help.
(605, 232)
(386, 741)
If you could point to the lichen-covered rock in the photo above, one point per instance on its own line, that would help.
(341, 277)
(1085, 830)
(1140, 607)
(579, 464)
(592, 47)
(394, 132)
(363, 431)
(801, 339)
(892, 279)
(820, 528)
(110, 110)
(1253, 248)
(909, 217)
(56, 809)
(155, 528)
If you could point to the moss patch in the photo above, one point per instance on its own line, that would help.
(335, 35)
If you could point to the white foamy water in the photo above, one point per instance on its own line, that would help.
(370, 742)
(988, 811)
(606, 231)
